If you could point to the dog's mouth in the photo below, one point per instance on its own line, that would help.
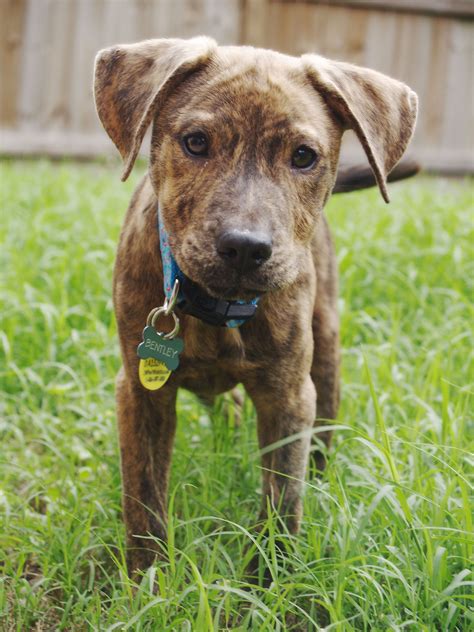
(220, 282)
(228, 286)
(236, 287)
(236, 293)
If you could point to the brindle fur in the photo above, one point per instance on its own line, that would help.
(256, 106)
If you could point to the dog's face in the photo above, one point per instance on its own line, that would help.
(245, 147)
(243, 158)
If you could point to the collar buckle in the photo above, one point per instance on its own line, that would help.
(195, 302)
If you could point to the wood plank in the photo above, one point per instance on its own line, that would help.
(31, 98)
(12, 15)
(449, 8)
(457, 126)
(56, 143)
(85, 41)
(254, 21)
(58, 78)
(222, 20)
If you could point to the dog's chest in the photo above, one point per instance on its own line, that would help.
(206, 380)
(214, 359)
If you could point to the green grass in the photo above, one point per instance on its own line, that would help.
(387, 534)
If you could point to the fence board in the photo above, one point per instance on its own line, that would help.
(450, 8)
(12, 13)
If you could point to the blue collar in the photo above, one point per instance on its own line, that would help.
(192, 299)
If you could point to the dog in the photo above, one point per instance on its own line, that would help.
(244, 155)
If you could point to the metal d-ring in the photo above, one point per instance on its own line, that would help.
(170, 303)
(157, 312)
(168, 310)
(151, 314)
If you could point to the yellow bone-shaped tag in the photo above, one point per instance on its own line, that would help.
(152, 373)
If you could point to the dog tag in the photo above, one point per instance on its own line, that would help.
(159, 348)
(152, 373)
(158, 357)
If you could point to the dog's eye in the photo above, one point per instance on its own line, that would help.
(196, 144)
(303, 157)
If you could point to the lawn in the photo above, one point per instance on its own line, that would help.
(387, 532)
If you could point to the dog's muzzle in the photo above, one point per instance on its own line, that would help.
(243, 250)
(246, 249)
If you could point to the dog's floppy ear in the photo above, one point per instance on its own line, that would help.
(131, 81)
(381, 110)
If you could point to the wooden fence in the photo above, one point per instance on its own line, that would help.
(47, 49)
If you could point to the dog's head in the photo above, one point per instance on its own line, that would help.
(245, 146)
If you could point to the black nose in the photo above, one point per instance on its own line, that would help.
(244, 250)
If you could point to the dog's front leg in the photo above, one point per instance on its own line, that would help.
(285, 408)
(147, 423)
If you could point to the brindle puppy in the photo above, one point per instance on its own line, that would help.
(244, 155)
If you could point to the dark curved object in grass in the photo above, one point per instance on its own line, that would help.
(355, 177)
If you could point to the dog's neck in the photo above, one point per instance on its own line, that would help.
(192, 299)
